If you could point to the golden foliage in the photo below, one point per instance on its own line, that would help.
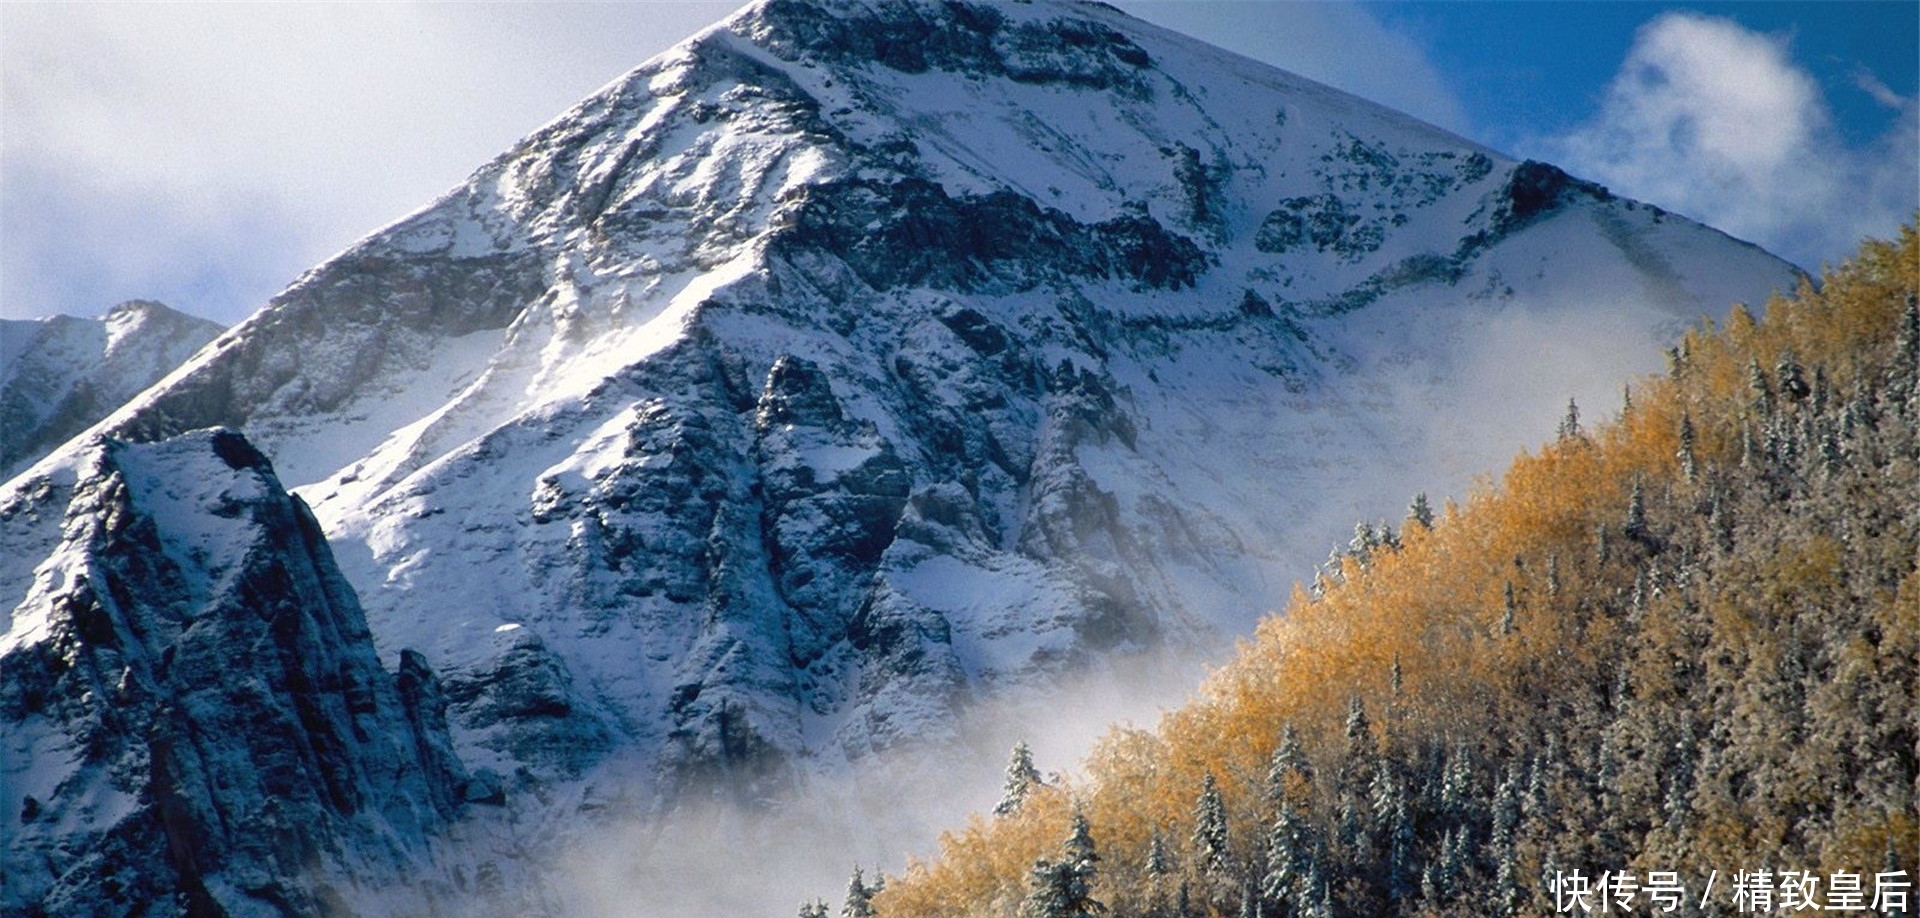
(1556, 535)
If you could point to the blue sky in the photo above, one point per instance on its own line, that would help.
(206, 154)
(1541, 67)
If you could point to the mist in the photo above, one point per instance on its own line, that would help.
(1508, 373)
(723, 858)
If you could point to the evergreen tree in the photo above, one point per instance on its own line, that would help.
(1832, 455)
(1022, 777)
(1506, 812)
(1637, 511)
(1159, 858)
(1058, 891)
(1393, 831)
(1689, 465)
(1210, 839)
(1677, 357)
(1289, 768)
(1319, 899)
(1762, 390)
(1420, 512)
(1291, 866)
(1570, 425)
(859, 901)
(1359, 736)
(1159, 870)
(1456, 789)
(1064, 888)
(1792, 376)
(1079, 846)
(1365, 539)
(1507, 887)
(1451, 871)
(1822, 392)
(1508, 606)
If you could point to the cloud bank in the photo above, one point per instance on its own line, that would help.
(1717, 122)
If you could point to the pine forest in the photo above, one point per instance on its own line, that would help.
(1666, 664)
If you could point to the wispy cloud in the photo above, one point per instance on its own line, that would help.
(206, 154)
(1716, 121)
(1873, 86)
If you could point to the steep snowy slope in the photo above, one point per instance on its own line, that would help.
(59, 375)
(196, 718)
(854, 360)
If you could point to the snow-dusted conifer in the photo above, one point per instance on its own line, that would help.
(859, 901)
(1022, 777)
(1064, 888)
(1210, 839)
(1421, 511)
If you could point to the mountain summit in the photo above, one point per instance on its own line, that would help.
(60, 374)
(853, 361)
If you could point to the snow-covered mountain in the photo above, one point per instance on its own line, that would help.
(199, 721)
(853, 361)
(60, 374)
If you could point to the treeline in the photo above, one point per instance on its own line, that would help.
(1683, 642)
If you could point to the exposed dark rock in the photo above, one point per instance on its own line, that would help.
(797, 393)
(955, 37)
(911, 233)
(220, 675)
(1535, 188)
(1322, 220)
(363, 304)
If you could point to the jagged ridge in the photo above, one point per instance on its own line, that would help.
(202, 720)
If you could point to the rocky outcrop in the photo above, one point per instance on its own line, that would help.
(195, 719)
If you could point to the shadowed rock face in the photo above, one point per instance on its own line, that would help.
(231, 743)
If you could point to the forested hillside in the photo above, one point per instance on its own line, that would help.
(1680, 641)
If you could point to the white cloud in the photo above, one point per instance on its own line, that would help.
(1717, 122)
(214, 151)
(1881, 93)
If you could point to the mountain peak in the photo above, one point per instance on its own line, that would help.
(60, 374)
(856, 361)
(1042, 43)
